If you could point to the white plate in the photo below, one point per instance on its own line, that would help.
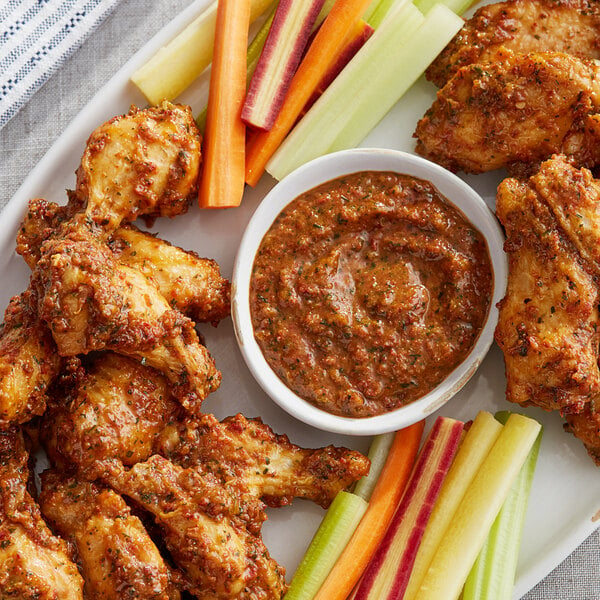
(565, 502)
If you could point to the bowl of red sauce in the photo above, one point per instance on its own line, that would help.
(365, 290)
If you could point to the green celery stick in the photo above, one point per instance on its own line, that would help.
(376, 16)
(493, 574)
(378, 451)
(456, 6)
(331, 538)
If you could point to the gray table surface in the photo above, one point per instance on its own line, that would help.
(33, 130)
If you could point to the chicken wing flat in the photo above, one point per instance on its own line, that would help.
(117, 557)
(212, 533)
(548, 324)
(571, 26)
(586, 427)
(34, 564)
(121, 410)
(247, 453)
(145, 163)
(514, 113)
(28, 361)
(92, 302)
(191, 284)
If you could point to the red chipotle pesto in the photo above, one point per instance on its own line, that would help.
(367, 291)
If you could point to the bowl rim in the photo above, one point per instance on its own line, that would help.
(310, 175)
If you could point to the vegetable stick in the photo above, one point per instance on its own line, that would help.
(331, 538)
(386, 575)
(456, 6)
(175, 66)
(378, 453)
(278, 61)
(464, 537)
(222, 181)
(493, 575)
(478, 441)
(401, 48)
(318, 59)
(371, 529)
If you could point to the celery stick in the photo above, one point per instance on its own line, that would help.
(331, 538)
(475, 447)
(378, 451)
(456, 6)
(376, 18)
(493, 575)
(175, 66)
(380, 73)
(326, 118)
(464, 537)
(415, 55)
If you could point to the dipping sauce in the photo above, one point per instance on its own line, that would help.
(367, 291)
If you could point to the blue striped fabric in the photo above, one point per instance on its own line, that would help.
(36, 37)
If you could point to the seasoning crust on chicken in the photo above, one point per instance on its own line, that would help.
(145, 163)
(34, 564)
(570, 26)
(514, 113)
(117, 556)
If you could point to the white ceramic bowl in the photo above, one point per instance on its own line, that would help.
(308, 176)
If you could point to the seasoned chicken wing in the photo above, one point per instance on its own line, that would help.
(548, 325)
(92, 302)
(514, 113)
(585, 426)
(191, 284)
(34, 564)
(571, 26)
(121, 410)
(28, 361)
(247, 454)
(117, 557)
(145, 163)
(212, 532)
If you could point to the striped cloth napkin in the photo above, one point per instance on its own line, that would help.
(36, 37)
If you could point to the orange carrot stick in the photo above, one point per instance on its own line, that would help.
(372, 527)
(317, 61)
(222, 183)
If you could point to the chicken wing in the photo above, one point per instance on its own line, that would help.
(34, 564)
(28, 361)
(571, 26)
(145, 163)
(191, 284)
(548, 324)
(117, 557)
(585, 426)
(92, 302)
(121, 410)
(247, 454)
(212, 533)
(514, 113)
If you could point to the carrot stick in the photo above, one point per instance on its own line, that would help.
(222, 182)
(317, 61)
(372, 527)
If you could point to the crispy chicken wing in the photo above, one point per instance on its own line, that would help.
(92, 302)
(548, 325)
(191, 284)
(145, 163)
(514, 113)
(571, 26)
(121, 410)
(34, 564)
(212, 532)
(117, 557)
(28, 361)
(585, 426)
